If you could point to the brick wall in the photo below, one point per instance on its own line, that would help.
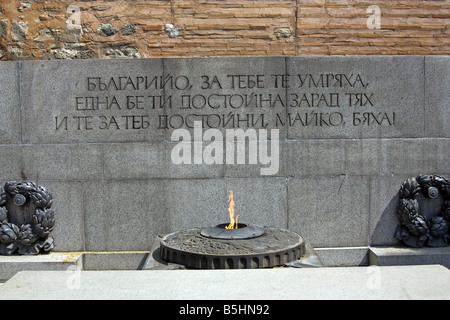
(63, 29)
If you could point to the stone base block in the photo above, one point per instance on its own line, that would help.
(344, 256)
(54, 261)
(150, 260)
(132, 260)
(71, 261)
(395, 256)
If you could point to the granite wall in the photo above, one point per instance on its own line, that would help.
(105, 139)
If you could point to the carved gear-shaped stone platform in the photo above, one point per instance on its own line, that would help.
(274, 248)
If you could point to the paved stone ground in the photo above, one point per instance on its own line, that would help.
(387, 282)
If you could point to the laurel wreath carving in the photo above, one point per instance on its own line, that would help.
(416, 230)
(32, 237)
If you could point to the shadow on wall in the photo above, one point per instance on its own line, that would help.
(384, 232)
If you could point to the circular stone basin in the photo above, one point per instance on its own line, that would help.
(274, 247)
(242, 232)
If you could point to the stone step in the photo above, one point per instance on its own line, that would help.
(393, 256)
(137, 260)
(71, 261)
(373, 282)
(54, 261)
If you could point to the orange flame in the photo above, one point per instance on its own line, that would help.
(233, 224)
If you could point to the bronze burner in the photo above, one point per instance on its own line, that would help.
(242, 232)
(248, 247)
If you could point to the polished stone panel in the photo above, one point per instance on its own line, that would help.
(118, 146)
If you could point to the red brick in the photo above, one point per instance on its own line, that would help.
(244, 27)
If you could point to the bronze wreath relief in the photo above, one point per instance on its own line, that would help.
(416, 229)
(26, 219)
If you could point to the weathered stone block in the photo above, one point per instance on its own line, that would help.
(343, 257)
(69, 206)
(114, 261)
(9, 103)
(123, 215)
(195, 202)
(134, 161)
(203, 203)
(3, 29)
(62, 162)
(442, 156)
(257, 157)
(395, 156)
(397, 256)
(54, 261)
(152, 160)
(190, 170)
(19, 30)
(71, 34)
(106, 30)
(122, 52)
(45, 34)
(91, 101)
(11, 163)
(355, 97)
(437, 96)
(260, 201)
(128, 29)
(311, 157)
(383, 206)
(330, 211)
(226, 93)
(99, 135)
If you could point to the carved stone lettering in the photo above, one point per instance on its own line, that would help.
(110, 106)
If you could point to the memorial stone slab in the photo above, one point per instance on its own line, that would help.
(91, 101)
(200, 202)
(123, 215)
(330, 211)
(11, 164)
(69, 231)
(354, 97)
(437, 96)
(104, 136)
(357, 97)
(9, 103)
(62, 161)
(225, 93)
